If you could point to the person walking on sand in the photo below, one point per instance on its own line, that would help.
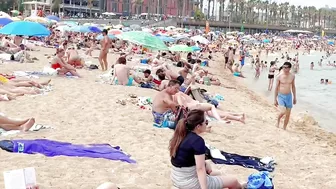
(285, 93)
(105, 45)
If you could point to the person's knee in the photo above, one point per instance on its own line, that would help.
(230, 182)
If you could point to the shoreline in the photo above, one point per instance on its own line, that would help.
(83, 111)
(303, 123)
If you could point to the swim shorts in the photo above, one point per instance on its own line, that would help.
(285, 100)
(130, 81)
(236, 74)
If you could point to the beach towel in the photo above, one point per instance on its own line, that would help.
(221, 157)
(260, 180)
(52, 148)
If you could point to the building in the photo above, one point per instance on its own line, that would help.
(167, 7)
(68, 7)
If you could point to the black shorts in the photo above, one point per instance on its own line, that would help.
(180, 79)
(226, 60)
(270, 76)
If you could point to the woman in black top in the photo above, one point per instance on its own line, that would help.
(187, 152)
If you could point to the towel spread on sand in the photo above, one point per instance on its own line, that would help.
(52, 148)
(221, 157)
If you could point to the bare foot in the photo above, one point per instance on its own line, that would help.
(242, 118)
(26, 126)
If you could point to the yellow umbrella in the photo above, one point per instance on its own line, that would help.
(38, 19)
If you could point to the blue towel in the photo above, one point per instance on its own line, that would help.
(260, 180)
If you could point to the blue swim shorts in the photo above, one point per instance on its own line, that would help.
(285, 100)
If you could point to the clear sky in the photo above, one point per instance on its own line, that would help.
(316, 3)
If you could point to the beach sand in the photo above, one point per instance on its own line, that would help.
(83, 111)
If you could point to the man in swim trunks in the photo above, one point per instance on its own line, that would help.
(285, 93)
(122, 72)
(105, 45)
(164, 105)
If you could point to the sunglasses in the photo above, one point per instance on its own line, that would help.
(206, 122)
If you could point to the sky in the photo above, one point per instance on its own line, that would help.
(316, 3)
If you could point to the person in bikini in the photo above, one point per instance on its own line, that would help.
(105, 45)
(271, 75)
(61, 66)
(22, 82)
(285, 93)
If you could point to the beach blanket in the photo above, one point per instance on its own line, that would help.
(52, 148)
(35, 127)
(221, 157)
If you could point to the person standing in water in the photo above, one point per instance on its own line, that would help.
(105, 45)
(271, 75)
(285, 93)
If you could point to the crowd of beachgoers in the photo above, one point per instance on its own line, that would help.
(176, 63)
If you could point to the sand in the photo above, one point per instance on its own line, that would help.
(83, 111)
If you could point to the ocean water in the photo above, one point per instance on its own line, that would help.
(313, 98)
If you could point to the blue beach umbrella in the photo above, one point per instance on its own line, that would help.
(25, 28)
(52, 17)
(95, 29)
(100, 36)
(166, 39)
(331, 43)
(4, 21)
(194, 48)
(81, 29)
(266, 41)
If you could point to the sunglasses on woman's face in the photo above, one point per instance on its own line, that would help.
(206, 122)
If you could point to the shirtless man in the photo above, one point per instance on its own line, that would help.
(105, 45)
(164, 105)
(285, 93)
(122, 72)
(74, 58)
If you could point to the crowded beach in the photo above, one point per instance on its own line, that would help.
(99, 106)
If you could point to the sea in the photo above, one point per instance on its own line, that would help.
(313, 98)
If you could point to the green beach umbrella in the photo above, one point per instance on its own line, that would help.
(183, 48)
(144, 38)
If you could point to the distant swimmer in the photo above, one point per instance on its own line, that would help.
(312, 65)
(285, 93)
(325, 81)
(322, 81)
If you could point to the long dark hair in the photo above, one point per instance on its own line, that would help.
(194, 118)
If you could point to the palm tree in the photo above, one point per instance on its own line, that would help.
(56, 6)
(137, 4)
(89, 4)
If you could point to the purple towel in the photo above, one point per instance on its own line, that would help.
(51, 148)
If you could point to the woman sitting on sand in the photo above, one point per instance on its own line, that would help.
(61, 66)
(187, 152)
(185, 100)
(10, 124)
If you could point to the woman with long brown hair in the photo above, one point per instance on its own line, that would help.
(187, 152)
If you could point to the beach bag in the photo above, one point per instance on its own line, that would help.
(260, 180)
